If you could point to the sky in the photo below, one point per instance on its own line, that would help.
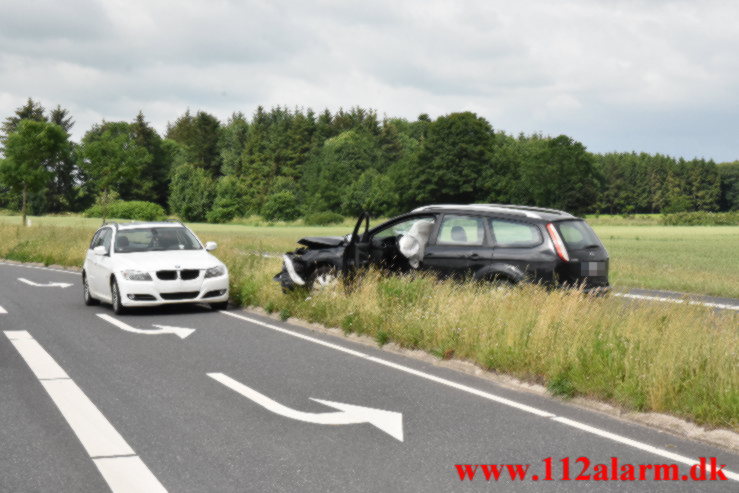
(617, 75)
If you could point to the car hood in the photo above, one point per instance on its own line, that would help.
(167, 260)
(321, 241)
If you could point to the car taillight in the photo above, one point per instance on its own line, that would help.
(558, 245)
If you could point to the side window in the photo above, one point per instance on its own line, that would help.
(461, 230)
(514, 235)
(95, 237)
(400, 228)
(103, 238)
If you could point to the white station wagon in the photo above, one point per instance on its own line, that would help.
(151, 264)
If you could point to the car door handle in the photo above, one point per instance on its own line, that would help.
(429, 255)
(474, 256)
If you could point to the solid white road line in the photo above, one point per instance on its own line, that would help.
(2, 311)
(663, 299)
(486, 395)
(103, 443)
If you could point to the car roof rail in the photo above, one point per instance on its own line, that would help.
(530, 208)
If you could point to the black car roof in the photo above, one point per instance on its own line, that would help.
(522, 211)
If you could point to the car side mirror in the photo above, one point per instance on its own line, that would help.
(100, 250)
(211, 245)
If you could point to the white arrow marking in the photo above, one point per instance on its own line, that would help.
(2, 311)
(388, 421)
(47, 285)
(180, 332)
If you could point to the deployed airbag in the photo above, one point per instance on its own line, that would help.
(413, 243)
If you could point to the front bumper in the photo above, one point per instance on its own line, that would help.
(157, 292)
(292, 274)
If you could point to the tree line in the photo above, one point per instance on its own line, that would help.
(286, 163)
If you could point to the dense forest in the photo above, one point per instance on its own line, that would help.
(284, 164)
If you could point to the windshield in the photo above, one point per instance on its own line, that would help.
(578, 235)
(155, 239)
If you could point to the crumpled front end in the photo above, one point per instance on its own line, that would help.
(293, 273)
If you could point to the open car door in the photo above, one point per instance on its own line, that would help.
(357, 252)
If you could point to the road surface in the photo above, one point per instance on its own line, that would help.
(196, 400)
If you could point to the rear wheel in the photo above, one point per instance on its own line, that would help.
(115, 294)
(89, 300)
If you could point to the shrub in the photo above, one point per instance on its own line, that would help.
(323, 218)
(134, 209)
(191, 193)
(281, 206)
(701, 218)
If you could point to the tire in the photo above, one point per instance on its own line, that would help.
(115, 295)
(324, 277)
(86, 296)
(221, 305)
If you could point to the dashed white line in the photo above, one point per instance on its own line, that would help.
(119, 465)
(663, 299)
(486, 395)
(3, 311)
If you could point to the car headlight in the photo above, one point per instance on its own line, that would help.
(216, 271)
(135, 275)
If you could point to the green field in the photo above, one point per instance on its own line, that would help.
(650, 356)
(690, 259)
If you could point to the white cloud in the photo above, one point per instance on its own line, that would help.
(657, 76)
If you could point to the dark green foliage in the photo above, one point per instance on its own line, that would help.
(729, 185)
(31, 153)
(29, 111)
(135, 209)
(293, 162)
(199, 135)
(231, 200)
(323, 218)
(191, 193)
(453, 159)
(371, 192)
(701, 218)
(113, 160)
(281, 206)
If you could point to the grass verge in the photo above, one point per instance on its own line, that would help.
(676, 359)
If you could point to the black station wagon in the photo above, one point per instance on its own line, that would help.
(484, 242)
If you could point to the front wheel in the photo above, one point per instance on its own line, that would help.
(86, 296)
(115, 294)
(324, 277)
(223, 305)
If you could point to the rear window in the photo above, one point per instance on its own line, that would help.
(510, 234)
(577, 235)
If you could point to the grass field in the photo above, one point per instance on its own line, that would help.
(691, 259)
(678, 359)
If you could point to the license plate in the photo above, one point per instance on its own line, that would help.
(593, 269)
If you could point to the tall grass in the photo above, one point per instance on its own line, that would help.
(678, 359)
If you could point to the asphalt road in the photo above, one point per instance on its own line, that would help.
(86, 405)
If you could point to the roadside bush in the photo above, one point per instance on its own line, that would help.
(323, 218)
(701, 218)
(134, 209)
(281, 206)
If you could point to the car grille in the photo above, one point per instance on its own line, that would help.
(173, 275)
(184, 295)
(187, 275)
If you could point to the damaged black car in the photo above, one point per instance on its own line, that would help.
(506, 244)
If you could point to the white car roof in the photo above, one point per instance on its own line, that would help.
(136, 225)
